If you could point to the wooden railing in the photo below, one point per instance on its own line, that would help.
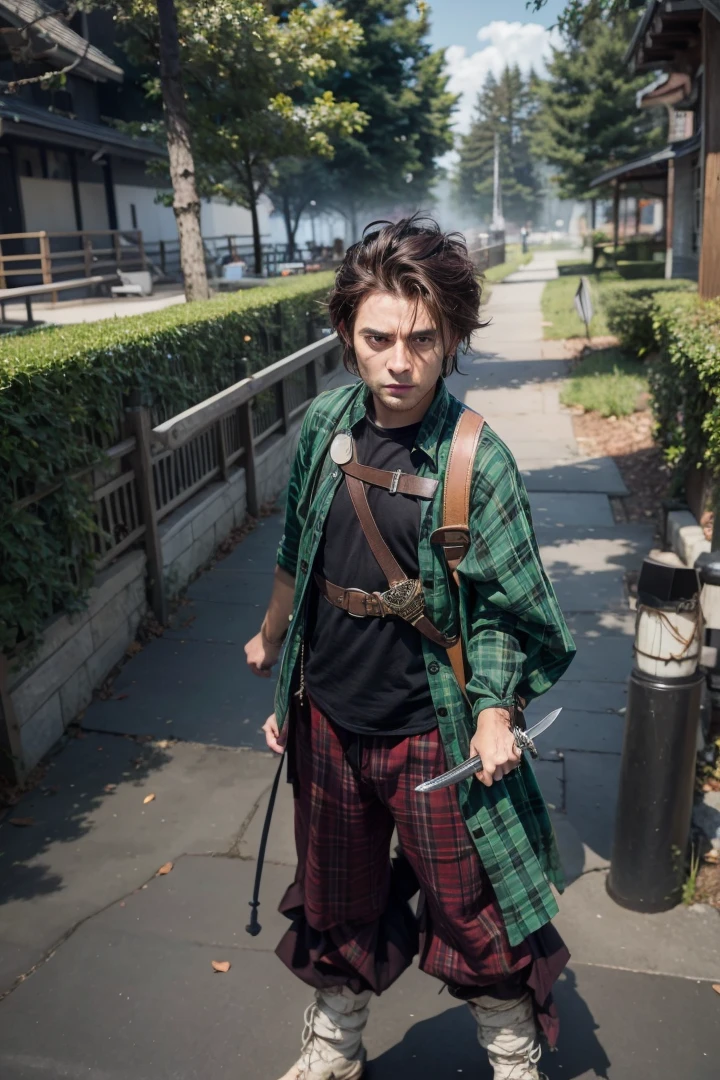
(44, 257)
(486, 255)
(154, 470)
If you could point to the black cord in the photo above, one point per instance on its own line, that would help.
(253, 928)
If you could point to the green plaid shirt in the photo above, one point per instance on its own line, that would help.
(515, 637)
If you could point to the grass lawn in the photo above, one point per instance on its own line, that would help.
(607, 382)
(514, 260)
(558, 308)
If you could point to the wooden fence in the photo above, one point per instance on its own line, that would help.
(40, 258)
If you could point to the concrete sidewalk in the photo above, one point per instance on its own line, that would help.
(114, 962)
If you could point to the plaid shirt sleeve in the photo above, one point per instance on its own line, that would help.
(516, 638)
(289, 549)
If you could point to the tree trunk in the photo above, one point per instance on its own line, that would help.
(354, 227)
(252, 199)
(186, 203)
(289, 231)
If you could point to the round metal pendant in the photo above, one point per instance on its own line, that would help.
(341, 449)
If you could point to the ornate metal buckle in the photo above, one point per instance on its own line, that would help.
(405, 599)
(397, 476)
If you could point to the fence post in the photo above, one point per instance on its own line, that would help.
(3, 282)
(283, 408)
(141, 249)
(162, 256)
(142, 430)
(11, 759)
(46, 263)
(87, 254)
(248, 443)
(222, 450)
(117, 248)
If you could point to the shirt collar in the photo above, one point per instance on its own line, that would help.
(432, 426)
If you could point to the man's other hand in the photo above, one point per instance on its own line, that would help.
(261, 655)
(273, 738)
(495, 743)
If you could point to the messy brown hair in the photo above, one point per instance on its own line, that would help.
(412, 258)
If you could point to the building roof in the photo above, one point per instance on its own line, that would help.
(31, 122)
(60, 46)
(651, 166)
(666, 31)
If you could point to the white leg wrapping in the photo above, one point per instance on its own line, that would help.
(508, 1032)
(332, 1038)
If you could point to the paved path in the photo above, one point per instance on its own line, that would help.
(123, 986)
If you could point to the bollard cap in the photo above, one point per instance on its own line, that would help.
(708, 565)
(661, 585)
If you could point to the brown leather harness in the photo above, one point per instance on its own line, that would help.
(404, 596)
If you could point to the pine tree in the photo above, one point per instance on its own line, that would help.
(507, 106)
(398, 81)
(588, 120)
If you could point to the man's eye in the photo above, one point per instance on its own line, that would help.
(425, 340)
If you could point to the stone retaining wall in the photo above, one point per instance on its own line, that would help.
(79, 651)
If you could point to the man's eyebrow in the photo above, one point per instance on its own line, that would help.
(388, 333)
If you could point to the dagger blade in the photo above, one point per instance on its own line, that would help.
(473, 765)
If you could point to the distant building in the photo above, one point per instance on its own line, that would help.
(681, 39)
(64, 166)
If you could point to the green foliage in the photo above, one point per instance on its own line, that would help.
(401, 84)
(685, 381)
(507, 106)
(589, 120)
(62, 396)
(606, 382)
(254, 84)
(630, 309)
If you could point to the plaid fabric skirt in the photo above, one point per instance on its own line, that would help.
(351, 922)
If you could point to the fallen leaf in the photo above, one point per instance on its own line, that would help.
(122, 697)
(165, 868)
(133, 648)
(22, 822)
(221, 965)
(109, 788)
(122, 903)
(148, 798)
(716, 988)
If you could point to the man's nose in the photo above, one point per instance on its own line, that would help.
(399, 359)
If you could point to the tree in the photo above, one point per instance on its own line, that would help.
(578, 14)
(294, 186)
(400, 83)
(252, 88)
(505, 106)
(186, 204)
(588, 120)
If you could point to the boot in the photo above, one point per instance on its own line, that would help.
(332, 1046)
(508, 1032)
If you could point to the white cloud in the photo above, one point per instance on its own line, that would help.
(526, 44)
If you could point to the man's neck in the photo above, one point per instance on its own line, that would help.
(393, 418)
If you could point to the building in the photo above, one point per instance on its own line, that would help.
(66, 167)
(680, 40)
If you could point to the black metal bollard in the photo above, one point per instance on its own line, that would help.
(657, 775)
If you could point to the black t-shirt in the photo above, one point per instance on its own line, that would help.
(368, 675)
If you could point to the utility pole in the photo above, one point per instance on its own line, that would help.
(498, 221)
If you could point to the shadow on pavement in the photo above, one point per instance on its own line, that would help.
(446, 1045)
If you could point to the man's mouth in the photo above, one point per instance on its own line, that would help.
(399, 388)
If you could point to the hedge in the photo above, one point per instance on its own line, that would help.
(685, 381)
(630, 308)
(62, 395)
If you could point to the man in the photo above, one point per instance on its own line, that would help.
(367, 701)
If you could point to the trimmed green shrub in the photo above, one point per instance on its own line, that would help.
(685, 381)
(630, 308)
(62, 397)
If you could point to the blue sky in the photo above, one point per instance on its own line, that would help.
(456, 22)
(479, 37)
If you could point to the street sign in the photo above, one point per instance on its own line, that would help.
(583, 303)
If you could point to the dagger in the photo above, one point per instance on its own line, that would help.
(523, 741)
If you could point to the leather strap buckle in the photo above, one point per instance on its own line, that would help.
(405, 599)
(397, 476)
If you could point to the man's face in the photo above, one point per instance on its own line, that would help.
(399, 353)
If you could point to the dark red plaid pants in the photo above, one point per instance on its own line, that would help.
(351, 921)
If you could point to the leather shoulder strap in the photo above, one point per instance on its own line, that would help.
(456, 510)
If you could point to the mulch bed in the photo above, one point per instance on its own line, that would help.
(629, 441)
